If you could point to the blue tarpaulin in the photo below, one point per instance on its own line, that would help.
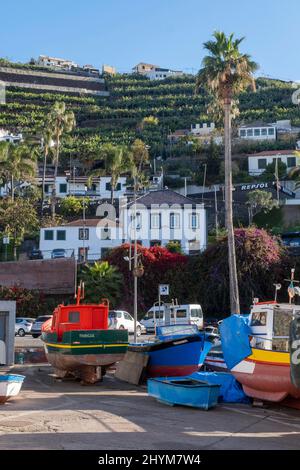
(230, 391)
(235, 333)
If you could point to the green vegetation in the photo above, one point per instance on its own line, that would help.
(102, 281)
(162, 106)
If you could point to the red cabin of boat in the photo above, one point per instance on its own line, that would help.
(78, 317)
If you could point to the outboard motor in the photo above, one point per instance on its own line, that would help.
(294, 343)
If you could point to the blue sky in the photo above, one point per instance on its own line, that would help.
(165, 32)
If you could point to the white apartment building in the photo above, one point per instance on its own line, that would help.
(258, 162)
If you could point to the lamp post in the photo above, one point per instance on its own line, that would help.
(84, 225)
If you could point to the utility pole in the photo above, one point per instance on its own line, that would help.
(135, 264)
(277, 178)
(204, 180)
(84, 226)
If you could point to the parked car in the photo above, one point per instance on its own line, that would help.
(36, 254)
(291, 240)
(36, 329)
(212, 334)
(210, 321)
(23, 326)
(121, 320)
(58, 253)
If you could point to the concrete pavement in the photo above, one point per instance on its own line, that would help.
(50, 414)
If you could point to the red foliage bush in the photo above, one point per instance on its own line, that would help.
(160, 266)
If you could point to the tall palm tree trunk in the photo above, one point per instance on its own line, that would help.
(53, 199)
(112, 194)
(233, 280)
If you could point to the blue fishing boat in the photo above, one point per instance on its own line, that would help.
(176, 351)
(186, 391)
(10, 386)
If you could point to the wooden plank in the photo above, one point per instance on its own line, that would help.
(132, 368)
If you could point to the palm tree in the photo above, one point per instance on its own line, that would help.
(47, 146)
(59, 121)
(18, 163)
(116, 163)
(225, 73)
(102, 280)
(139, 157)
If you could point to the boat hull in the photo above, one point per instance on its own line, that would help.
(10, 386)
(174, 358)
(185, 391)
(265, 375)
(85, 354)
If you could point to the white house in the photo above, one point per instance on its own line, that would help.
(164, 216)
(258, 131)
(77, 186)
(154, 72)
(257, 163)
(160, 217)
(205, 132)
(88, 239)
(6, 136)
(55, 62)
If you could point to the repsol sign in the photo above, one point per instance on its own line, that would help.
(251, 187)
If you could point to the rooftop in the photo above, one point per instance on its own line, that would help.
(256, 124)
(270, 153)
(97, 222)
(163, 196)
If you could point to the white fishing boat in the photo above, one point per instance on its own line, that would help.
(10, 386)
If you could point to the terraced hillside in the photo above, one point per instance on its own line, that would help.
(132, 98)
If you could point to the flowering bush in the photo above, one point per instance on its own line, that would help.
(261, 261)
(160, 266)
(28, 302)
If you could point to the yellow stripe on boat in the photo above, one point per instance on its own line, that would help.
(73, 346)
(274, 357)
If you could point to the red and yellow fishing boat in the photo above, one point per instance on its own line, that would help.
(78, 341)
(262, 349)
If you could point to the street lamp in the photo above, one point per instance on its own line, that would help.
(84, 225)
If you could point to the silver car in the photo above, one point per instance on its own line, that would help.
(36, 329)
(23, 326)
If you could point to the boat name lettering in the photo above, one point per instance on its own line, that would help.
(81, 335)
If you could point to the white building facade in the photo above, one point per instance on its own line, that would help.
(78, 186)
(165, 216)
(258, 131)
(160, 217)
(85, 240)
(6, 136)
(257, 163)
(155, 72)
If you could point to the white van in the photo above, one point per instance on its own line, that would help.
(179, 314)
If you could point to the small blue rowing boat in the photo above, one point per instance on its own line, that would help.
(186, 391)
(10, 386)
